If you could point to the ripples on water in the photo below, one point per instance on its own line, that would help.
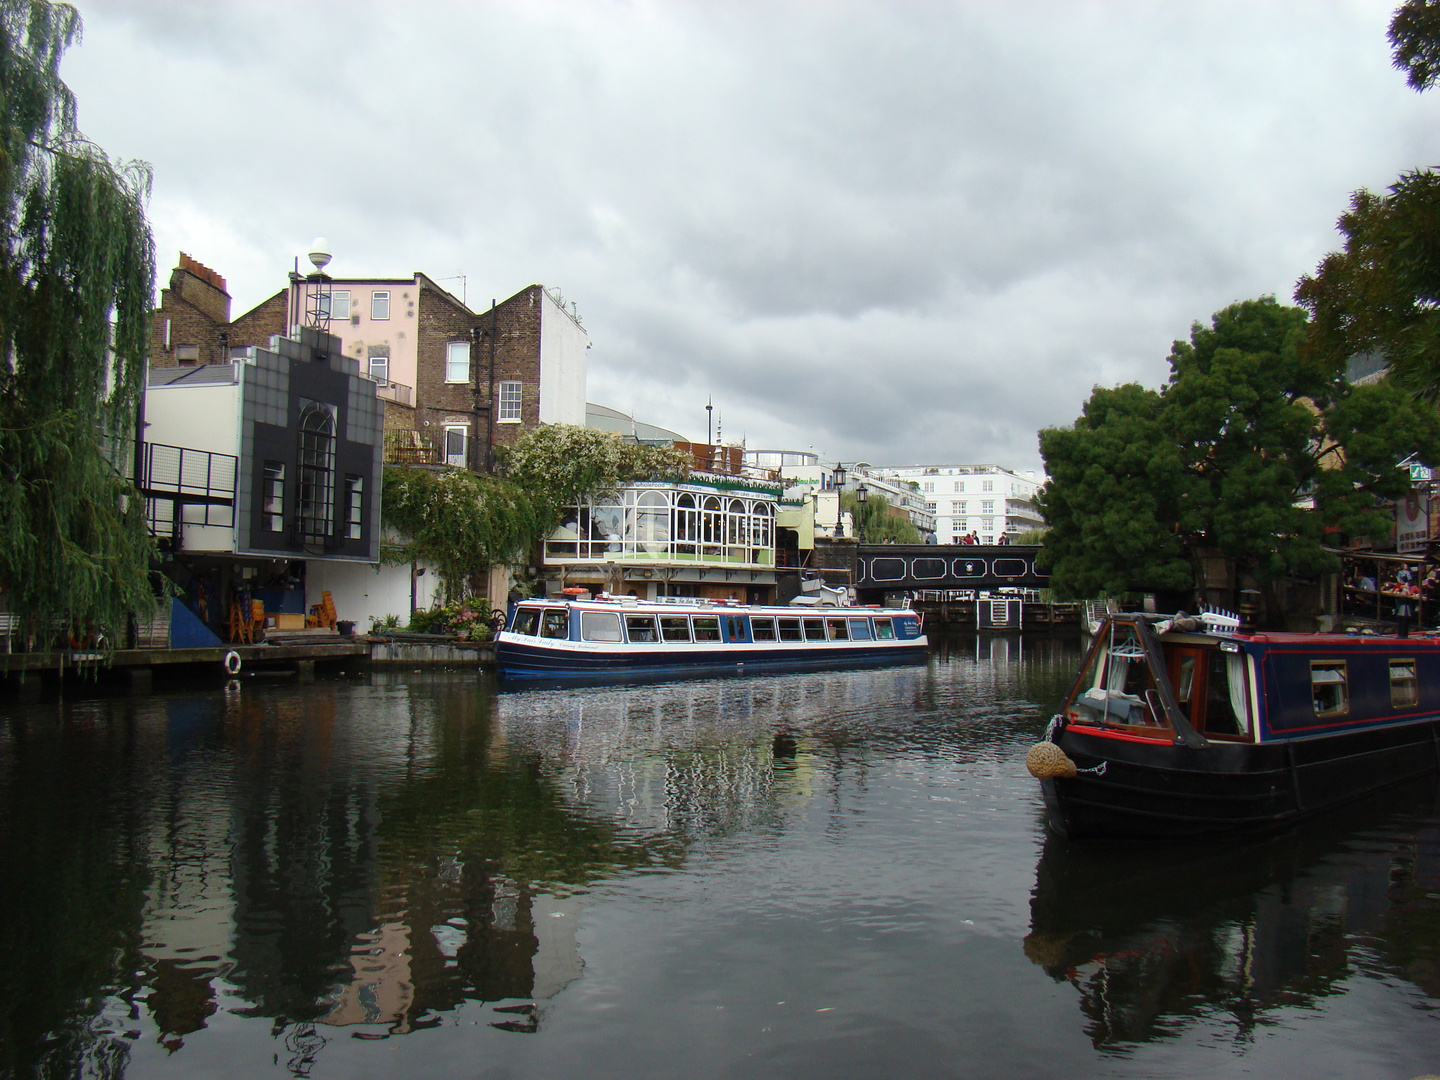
(841, 874)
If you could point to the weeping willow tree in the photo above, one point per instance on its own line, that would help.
(76, 276)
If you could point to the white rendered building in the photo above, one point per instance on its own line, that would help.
(984, 499)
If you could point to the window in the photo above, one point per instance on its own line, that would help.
(1404, 690)
(378, 358)
(987, 485)
(380, 304)
(641, 629)
(707, 628)
(884, 631)
(928, 486)
(674, 628)
(600, 626)
(354, 506)
(959, 486)
(1329, 688)
(455, 450)
(987, 506)
(527, 621)
(957, 508)
(187, 354)
(838, 629)
(860, 629)
(762, 629)
(273, 492)
(509, 403)
(336, 303)
(316, 492)
(814, 629)
(457, 362)
(555, 624)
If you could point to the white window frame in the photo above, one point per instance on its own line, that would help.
(383, 374)
(453, 366)
(509, 402)
(335, 303)
(380, 303)
(460, 460)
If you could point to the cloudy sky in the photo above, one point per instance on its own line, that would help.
(901, 232)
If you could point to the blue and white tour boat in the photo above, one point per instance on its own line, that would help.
(627, 637)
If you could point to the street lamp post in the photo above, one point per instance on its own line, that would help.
(862, 496)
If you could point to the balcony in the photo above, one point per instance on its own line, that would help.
(391, 391)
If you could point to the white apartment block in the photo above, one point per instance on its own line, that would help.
(984, 499)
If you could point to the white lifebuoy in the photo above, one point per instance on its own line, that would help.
(232, 662)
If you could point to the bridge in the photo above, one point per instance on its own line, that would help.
(902, 567)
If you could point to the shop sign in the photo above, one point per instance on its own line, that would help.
(1421, 474)
(1412, 522)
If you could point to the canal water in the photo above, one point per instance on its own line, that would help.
(819, 875)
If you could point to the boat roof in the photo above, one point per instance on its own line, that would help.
(690, 603)
(1217, 630)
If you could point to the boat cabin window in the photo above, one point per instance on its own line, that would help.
(1225, 709)
(814, 629)
(1117, 686)
(641, 629)
(674, 628)
(838, 629)
(860, 629)
(707, 627)
(1329, 687)
(762, 629)
(527, 621)
(884, 631)
(1186, 682)
(599, 626)
(1404, 690)
(789, 629)
(555, 624)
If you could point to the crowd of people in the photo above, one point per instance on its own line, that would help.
(1393, 588)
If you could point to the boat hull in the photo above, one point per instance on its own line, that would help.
(1151, 790)
(522, 662)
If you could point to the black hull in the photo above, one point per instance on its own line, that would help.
(1152, 792)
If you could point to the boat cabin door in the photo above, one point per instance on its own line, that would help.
(1200, 676)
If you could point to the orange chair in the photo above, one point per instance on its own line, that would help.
(323, 613)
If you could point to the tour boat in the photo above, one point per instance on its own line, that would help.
(627, 637)
(1181, 726)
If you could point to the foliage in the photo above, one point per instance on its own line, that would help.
(1415, 35)
(458, 522)
(876, 523)
(468, 619)
(77, 252)
(560, 466)
(1030, 537)
(1250, 430)
(380, 623)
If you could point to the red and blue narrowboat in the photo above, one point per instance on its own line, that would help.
(1181, 727)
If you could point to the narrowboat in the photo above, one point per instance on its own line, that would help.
(628, 638)
(1184, 727)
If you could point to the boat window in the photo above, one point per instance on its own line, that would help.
(762, 629)
(884, 631)
(860, 629)
(600, 626)
(814, 629)
(1225, 694)
(674, 628)
(527, 621)
(555, 624)
(789, 629)
(1329, 687)
(707, 627)
(641, 628)
(1186, 682)
(838, 629)
(1404, 690)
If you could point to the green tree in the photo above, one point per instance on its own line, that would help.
(559, 466)
(76, 278)
(1253, 451)
(1415, 35)
(876, 523)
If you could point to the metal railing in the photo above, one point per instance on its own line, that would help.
(392, 391)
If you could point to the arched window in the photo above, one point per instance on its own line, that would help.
(316, 492)
(687, 524)
(652, 522)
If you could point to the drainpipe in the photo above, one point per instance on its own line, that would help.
(473, 446)
(490, 422)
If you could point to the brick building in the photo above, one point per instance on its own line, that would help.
(192, 325)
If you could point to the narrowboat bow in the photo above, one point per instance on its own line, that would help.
(628, 638)
(1179, 727)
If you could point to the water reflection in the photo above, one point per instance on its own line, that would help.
(1154, 938)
